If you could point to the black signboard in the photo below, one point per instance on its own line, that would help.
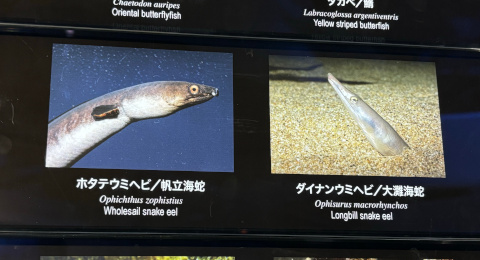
(434, 23)
(151, 137)
(129, 252)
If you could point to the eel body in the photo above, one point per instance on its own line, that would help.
(379, 132)
(78, 131)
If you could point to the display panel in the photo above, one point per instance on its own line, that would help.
(139, 252)
(429, 22)
(228, 185)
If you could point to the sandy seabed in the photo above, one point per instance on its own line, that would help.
(311, 131)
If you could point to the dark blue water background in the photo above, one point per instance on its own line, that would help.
(199, 138)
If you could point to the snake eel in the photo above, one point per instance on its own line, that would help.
(379, 132)
(78, 131)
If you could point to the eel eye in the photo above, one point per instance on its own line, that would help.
(354, 99)
(194, 89)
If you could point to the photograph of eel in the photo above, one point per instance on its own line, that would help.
(328, 258)
(141, 109)
(137, 258)
(361, 117)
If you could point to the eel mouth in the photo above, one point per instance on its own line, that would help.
(341, 90)
(206, 95)
(215, 92)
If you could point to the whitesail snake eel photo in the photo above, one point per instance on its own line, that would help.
(78, 131)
